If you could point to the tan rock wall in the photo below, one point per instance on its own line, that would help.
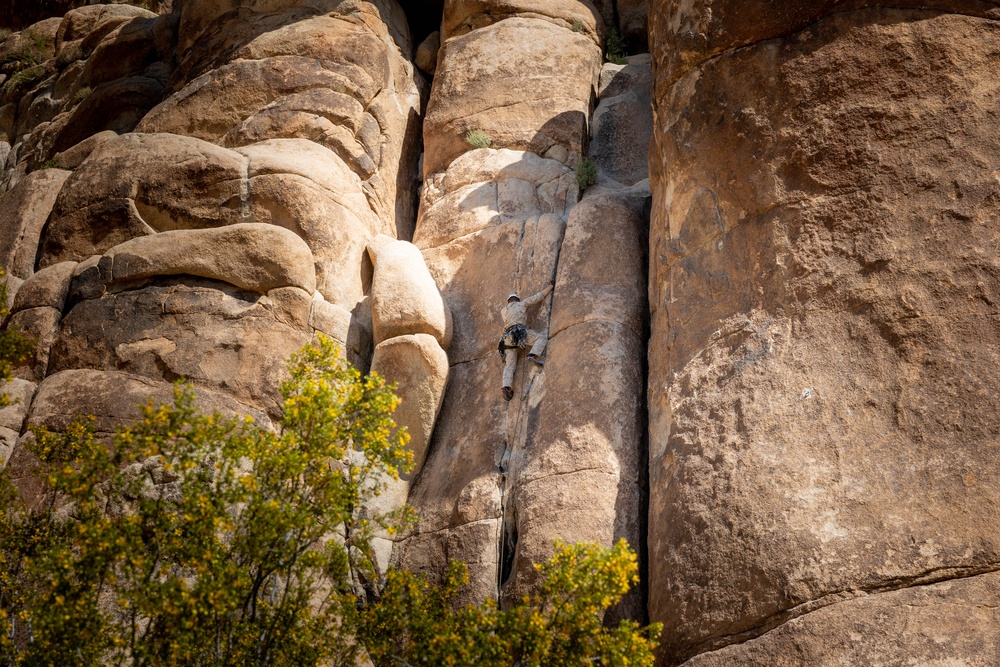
(563, 459)
(234, 226)
(823, 278)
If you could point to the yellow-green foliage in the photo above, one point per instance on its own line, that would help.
(197, 540)
(416, 623)
(478, 139)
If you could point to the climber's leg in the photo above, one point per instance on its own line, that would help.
(538, 341)
(510, 365)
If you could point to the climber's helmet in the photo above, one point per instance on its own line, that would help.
(513, 297)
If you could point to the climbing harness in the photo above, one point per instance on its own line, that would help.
(517, 334)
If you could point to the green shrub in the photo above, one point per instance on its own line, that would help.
(25, 79)
(615, 49)
(200, 540)
(586, 173)
(417, 624)
(196, 540)
(478, 139)
(576, 26)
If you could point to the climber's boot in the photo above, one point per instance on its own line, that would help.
(508, 393)
(533, 358)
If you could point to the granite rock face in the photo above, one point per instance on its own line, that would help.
(823, 278)
(234, 226)
(563, 458)
(773, 332)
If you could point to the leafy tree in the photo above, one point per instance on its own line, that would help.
(417, 625)
(196, 540)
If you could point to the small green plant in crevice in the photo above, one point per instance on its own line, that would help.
(576, 26)
(586, 173)
(615, 48)
(478, 139)
(82, 94)
(25, 78)
(48, 164)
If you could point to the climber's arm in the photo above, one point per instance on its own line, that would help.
(536, 298)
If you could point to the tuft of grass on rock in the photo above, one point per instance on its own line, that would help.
(82, 94)
(586, 173)
(25, 78)
(478, 139)
(576, 26)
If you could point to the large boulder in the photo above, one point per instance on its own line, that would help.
(405, 299)
(823, 355)
(526, 82)
(418, 367)
(253, 257)
(338, 74)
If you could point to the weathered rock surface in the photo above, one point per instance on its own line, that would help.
(253, 257)
(20, 393)
(822, 283)
(207, 332)
(418, 367)
(47, 287)
(563, 459)
(581, 475)
(405, 299)
(949, 623)
(336, 75)
(482, 79)
(24, 211)
(622, 124)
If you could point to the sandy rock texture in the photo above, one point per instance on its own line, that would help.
(234, 225)
(823, 284)
(564, 458)
(336, 74)
(948, 623)
(515, 70)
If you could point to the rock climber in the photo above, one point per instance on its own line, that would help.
(517, 335)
